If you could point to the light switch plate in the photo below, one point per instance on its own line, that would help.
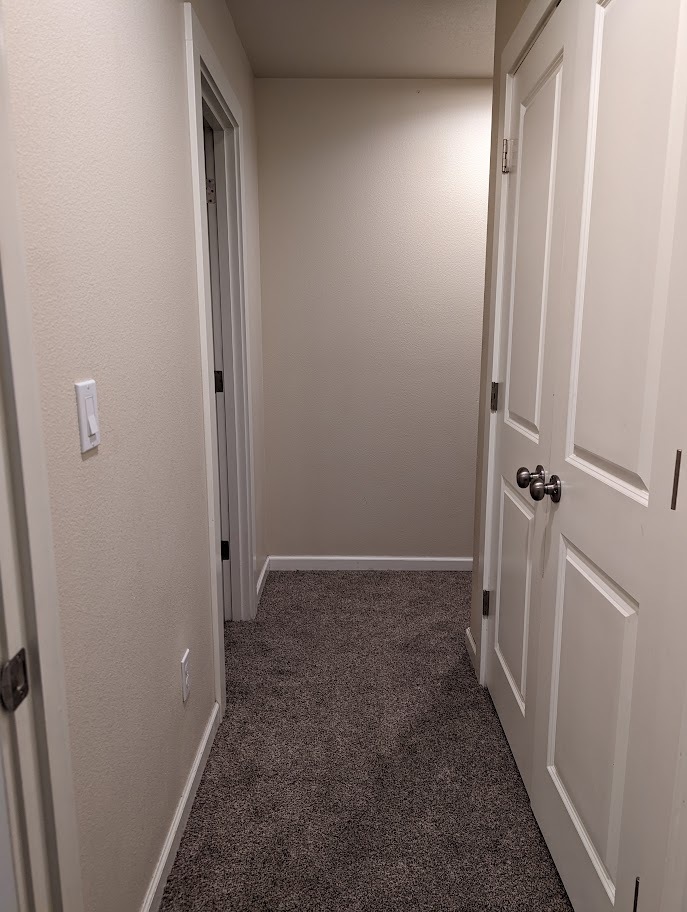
(87, 410)
(186, 675)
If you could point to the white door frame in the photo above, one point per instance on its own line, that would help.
(9, 894)
(207, 81)
(42, 799)
(526, 32)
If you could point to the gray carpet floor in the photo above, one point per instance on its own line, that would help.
(359, 766)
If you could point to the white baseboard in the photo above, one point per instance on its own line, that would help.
(261, 579)
(153, 897)
(471, 645)
(338, 562)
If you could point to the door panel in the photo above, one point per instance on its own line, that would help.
(607, 333)
(616, 361)
(538, 114)
(538, 131)
(593, 658)
(513, 590)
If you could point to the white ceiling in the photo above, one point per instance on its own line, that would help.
(373, 38)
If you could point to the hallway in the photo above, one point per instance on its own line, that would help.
(359, 765)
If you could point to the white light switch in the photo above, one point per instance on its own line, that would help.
(90, 414)
(186, 675)
(87, 409)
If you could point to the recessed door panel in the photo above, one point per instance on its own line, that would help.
(513, 590)
(595, 632)
(619, 320)
(535, 160)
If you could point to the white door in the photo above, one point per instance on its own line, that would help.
(538, 118)
(607, 331)
(654, 845)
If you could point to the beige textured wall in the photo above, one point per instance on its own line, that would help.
(508, 14)
(100, 116)
(373, 205)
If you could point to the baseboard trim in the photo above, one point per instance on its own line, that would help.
(153, 897)
(261, 579)
(339, 562)
(471, 645)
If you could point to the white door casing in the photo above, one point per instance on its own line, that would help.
(24, 873)
(219, 349)
(8, 881)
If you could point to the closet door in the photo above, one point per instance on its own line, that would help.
(538, 119)
(609, 326)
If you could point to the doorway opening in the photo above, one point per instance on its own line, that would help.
(215, 119)
(220, 275)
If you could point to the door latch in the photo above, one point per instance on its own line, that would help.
(14, 681)
(554, 488)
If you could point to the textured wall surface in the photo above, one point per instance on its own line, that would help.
(373, 208)
(508, 13)
(100, 116)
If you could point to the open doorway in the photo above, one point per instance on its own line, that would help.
(216, 151)
(220, 274)
(223, 269)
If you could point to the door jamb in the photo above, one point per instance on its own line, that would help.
(49, 818)
(206, 78)
(521, 41)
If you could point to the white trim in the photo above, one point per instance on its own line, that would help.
(471, 646)
(50, 819)
(341, 562)
(201, 61)
(262, 579)
(153, 896)
(526, 32)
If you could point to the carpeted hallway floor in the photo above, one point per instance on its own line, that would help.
(359, 767)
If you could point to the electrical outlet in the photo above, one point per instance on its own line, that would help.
(186, 675)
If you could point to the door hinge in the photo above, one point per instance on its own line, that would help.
(505, 162)
(14, 681)
(486, 599)
(494, 401)
(225, 550)
(219, 382)
(210, 190)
